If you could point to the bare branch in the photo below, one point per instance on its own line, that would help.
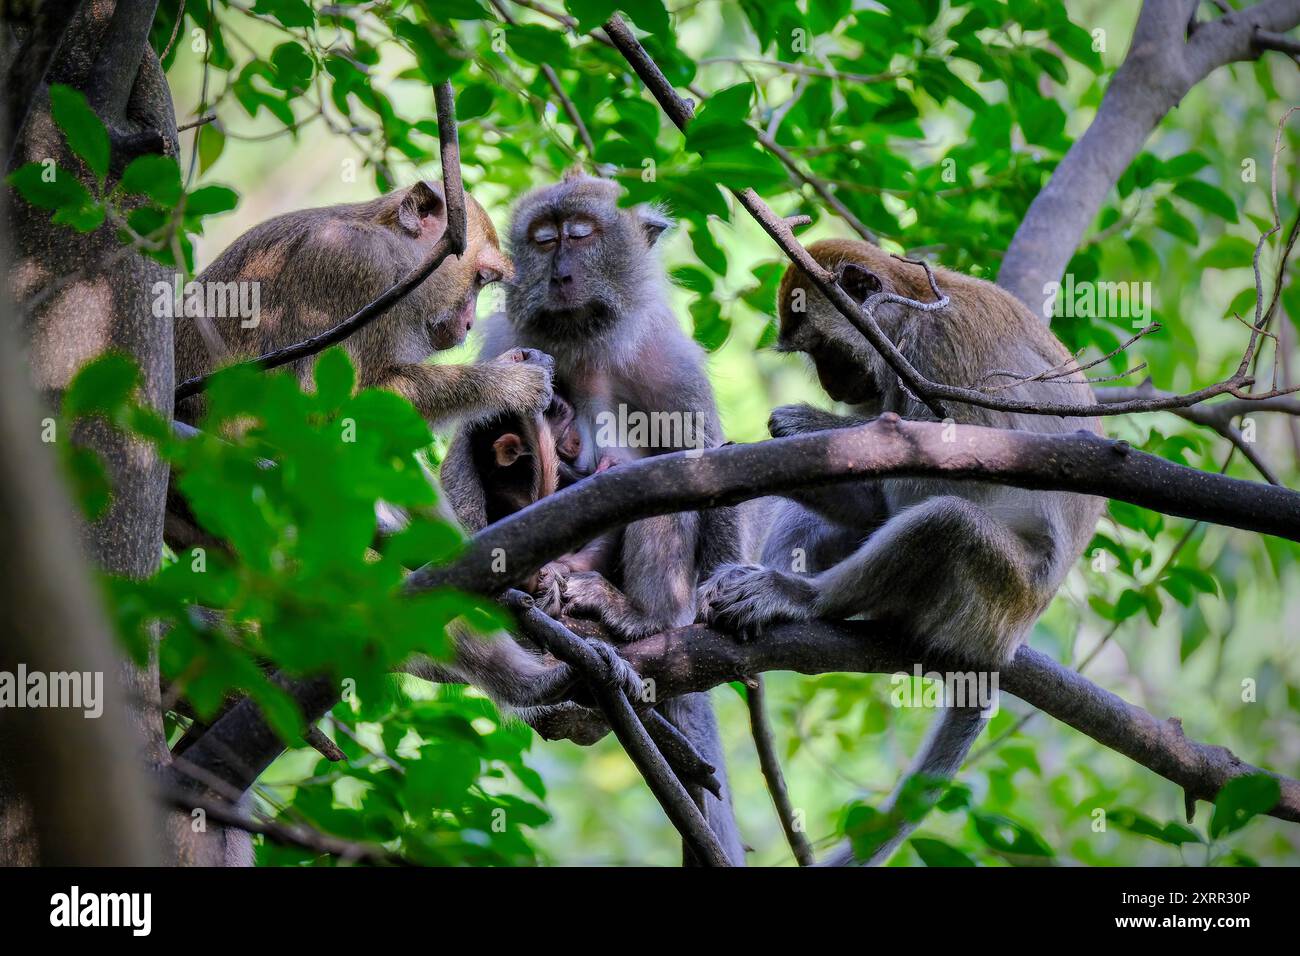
(451, 243)
(696, 658)
(770, 764)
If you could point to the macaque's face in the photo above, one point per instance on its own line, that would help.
(567, 246)
(449, 297)
(812, 325)
(465, 277)
(817, 333)
(580, 259)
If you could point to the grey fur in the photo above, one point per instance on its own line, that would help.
(599, 305)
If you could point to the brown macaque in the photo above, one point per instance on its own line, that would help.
(964, 568)
(518, 460)
(302, 273)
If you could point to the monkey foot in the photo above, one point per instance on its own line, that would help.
(743, 599)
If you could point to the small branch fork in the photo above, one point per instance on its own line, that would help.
(451, 243)
(607, 686)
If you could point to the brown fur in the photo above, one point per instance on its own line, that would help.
(315, 267)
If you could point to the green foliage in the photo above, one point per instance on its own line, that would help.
(935, 123)
(289, 480)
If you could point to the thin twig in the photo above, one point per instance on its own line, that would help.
(770, 764)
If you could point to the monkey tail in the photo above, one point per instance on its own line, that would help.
(693, 715)
(942, 754)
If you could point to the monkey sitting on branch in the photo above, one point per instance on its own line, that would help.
(590, 291)
(499, 465)
(964, 567)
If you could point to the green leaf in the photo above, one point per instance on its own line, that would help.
(1229, 252)
(474, 101)
(210, 200)
(334, 377)
(1241, 799)
(1173, 833)
(1076, 43)
(537, 44)
(212, 142)
(1005, 835)
(720, 123)
(291, 13)
(1183, 165)
(292, 67)
(49, 186)
(157, 177)
(742, 168)
(83, 130)
(103, 386)
(711, 329)
(938, 853)
(1208, 197)
(1175, 223)
(649, 15)
(590, 13)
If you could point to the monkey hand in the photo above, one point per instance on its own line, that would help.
(527, 375)
(549, 593)
(619, 673)
(800, 419)
(743, 599)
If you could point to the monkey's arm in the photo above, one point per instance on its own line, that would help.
(441, 392)
(858, 505)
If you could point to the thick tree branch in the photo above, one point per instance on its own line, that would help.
(31, 62)
(451, 243)
(118, 60)
(886, 447)
(696, 658)
(1160, 68)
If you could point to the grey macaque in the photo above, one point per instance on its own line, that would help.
(963, 567)
(590, 291)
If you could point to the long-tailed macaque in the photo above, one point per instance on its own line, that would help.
(302, 273)
(590, 291)
(964, 567)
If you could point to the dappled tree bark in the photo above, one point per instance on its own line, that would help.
(105, 304)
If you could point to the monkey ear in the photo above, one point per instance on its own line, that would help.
(858, 282)
(654, 222)
(509, 448)
(422, 201)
